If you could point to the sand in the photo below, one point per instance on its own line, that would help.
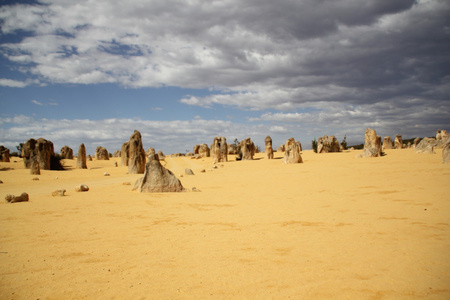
(333, 227)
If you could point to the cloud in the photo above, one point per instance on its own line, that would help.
(12, 83)
(37, 102)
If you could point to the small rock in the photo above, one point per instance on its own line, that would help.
(82, 188)
(12, 199)
(126, 183)
(60, 193)
(215, 167)
(188, 171)
(1, 181)
(115, 164)
(56, 177)
(106, 174)
(194, 189)
(35, 178)
(202, 171)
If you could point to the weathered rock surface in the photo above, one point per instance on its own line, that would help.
(327, 144)
(66, 152)
(387, 143)
(188, 171)
(59, 193)
(150, 151)
(268, 150)
(282, 148)
(124, 154)
(161, 155)
(219, 149)
(81, 157)
(425, 142)
(117, 153)
(35, 169)
(157, 179)
(372, 144)
(398, 143)
(416, 142)
(81, 188)
(4, 154)
(248, 149)
(101, 153)
(446, 153)
(292, 152)
(441, 135)
(427, 150)
(13, 199)
(41, 149)
(202, 150)
(136, 161)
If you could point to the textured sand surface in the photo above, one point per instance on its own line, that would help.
(333, 227)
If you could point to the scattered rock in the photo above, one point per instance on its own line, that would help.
(81, 157)
(202, 171)
(115, 164)
(1, 181)
(13, 199)
(106, 174)
(194, 189)
(81, 188)
(157, 178)
(188, 171)
(35, 178)
(60, 193)
(126, 183)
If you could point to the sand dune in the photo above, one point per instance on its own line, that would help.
(332, 227)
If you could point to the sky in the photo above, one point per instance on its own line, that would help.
(184, 71)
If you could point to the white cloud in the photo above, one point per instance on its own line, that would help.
(12, 83)
(37, 102)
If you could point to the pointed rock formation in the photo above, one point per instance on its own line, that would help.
(157, 179)
(268, 150)
(81, 157)
(398, 143)
(34, 167)
(292, 152)
(124, 154)
(66, 152)
(327, 144)
(248, 149)
(136, 154)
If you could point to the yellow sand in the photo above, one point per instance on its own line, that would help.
(333, 227)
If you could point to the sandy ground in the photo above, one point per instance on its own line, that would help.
(333, 227)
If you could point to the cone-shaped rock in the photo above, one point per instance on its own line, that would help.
(81, 158)
(268, 150)
(136, 161)
(372, 144)
(219, 149)
(157, 179)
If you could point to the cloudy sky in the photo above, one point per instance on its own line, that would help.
(184, 71)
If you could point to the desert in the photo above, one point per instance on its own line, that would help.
(334, 226)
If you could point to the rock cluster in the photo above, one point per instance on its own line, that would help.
(268, 150)
(4, 154)
(292, 152)
(157, 178)
(327, 144)
(66, 152)
(41, 150)
(202, 150)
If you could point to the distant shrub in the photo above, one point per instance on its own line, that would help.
(314, 145)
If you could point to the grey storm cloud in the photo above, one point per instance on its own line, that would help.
(378, 56)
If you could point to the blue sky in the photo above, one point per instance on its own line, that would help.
(183, 72)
